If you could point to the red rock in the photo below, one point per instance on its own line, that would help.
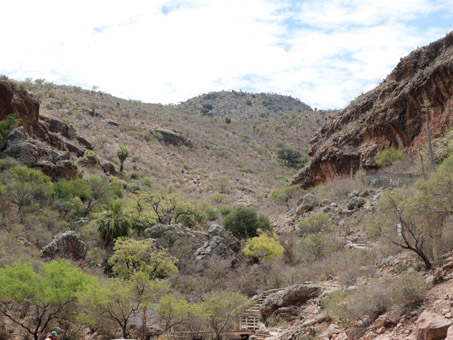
(431, 326)
(391, 115)
(450, 333)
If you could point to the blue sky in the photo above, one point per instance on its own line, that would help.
(324, 52)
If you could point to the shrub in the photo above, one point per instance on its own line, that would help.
(243, 222)
(368, 302)
(26, 186)
(90, 154)
(409, 288)
(292, 157)
(315, 247)
(263, 247)
(6, 126)
(285, 195)
(133, 256)
(388, 157)
(113, 224)
(316, 223)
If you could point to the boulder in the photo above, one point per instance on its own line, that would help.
(432, 326)
(355, 203)
(307, 203)
(290, 296)
(66, 245)
(57, 126)
(109, 168)
(221, 243)
(215, 243)
(172, 137)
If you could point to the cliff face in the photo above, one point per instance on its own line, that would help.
(41, 142)
(389, 115)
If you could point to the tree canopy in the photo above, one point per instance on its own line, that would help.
(45, 294)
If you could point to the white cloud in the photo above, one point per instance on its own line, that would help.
(324, 52)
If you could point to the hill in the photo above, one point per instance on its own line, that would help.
(357, 257)
(238, 160)
(243, 105)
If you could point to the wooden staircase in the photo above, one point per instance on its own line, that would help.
(250, 319)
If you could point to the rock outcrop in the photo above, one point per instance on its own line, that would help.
(290, 296)
(220, 243)
(41, 142)
(215, 243)
(172, 137)
(33, 153)
(66, 245)
(391, 115)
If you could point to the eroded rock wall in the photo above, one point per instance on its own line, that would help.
(391, 115)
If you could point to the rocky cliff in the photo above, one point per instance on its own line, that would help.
(391, 115)
(40, 141)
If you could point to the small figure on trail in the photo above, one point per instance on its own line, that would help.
(51, 336)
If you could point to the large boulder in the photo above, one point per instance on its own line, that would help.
(290, 296)
(355, 202)
(221, 243)
(172, 137)
(216, 243)
(432, 326)
(307, 203)
(66, 245)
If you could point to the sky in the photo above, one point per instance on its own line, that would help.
(323, 52)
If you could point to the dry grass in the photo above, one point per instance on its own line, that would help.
(245, 151)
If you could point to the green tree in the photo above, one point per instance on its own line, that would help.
(222, 308)
(435, 197)
(6, 126)
(27, 185)
(122, 153)
(178, 314)
(263, 247)
(243, 222)
(100, 192)
(286, 194)
(132, 256)
(117, 300)
(315, 223)
(291, 157)
(113, 224)
(68, 196)
(44, 295)
(168, 209)
(404, 221)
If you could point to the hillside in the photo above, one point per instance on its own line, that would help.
(391, 115)
(238, 160)
(202, 236)
(243, 105)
